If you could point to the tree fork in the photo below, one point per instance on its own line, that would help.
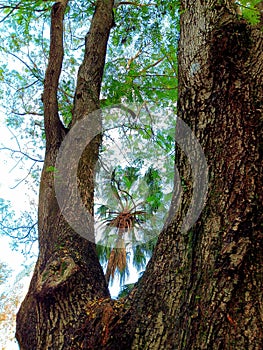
(67, 275)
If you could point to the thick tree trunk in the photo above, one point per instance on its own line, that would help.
(202, 288)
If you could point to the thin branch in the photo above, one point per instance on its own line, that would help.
(30, 228)
(27, 113)
(120, 149)
(66, 94)
(133, 58)
(29, 172)
(28, 86)
(13, 8)
(16, 165)
(15, 137)
(152, 65)
(153, 75)
(134, 4)
(163, 88)
(22, 61)
(171, 63)
(23, 153)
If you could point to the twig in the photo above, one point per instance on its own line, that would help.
(30, 228)
(13, 8)
(134, 4)
(24, 177)
(21, 152)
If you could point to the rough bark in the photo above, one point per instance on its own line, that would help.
(203, 288)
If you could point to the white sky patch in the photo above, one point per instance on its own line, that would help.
(13, 171)
(11, 257)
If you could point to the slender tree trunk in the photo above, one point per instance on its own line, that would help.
(202, 288)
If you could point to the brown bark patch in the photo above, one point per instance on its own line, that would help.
(105, 317)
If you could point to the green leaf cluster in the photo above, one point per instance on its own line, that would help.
(250, 11)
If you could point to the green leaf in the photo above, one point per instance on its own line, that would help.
(51, 169)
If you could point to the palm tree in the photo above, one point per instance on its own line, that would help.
(125, 216)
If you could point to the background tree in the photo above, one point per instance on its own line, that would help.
(202, 288)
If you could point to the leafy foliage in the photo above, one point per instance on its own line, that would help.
(127, 212)
(145, 68)
(250, 11)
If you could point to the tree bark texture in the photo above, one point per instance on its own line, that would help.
(202, 289)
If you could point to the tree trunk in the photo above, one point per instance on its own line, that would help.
(202, 289)
(68, 274)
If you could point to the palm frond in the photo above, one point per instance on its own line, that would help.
(117, 259)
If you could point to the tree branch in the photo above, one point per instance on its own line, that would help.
(25, 177)
(134, 4)
(53, 125)
(152, 65)
(32, 70)
(6, 230)
(12, 9)
(91, 71)
(21, 152)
